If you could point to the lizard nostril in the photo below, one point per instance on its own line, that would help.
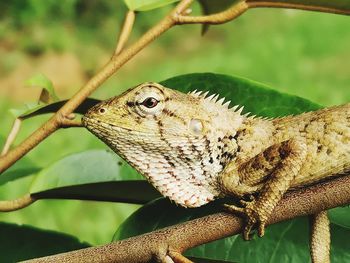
(102, 110)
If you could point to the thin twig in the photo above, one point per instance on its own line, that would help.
(190, 234)
(109, 69)
(218, 18)
(12, 136)
(294, 5)
(125, 31)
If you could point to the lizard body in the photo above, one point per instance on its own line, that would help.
(193, 148)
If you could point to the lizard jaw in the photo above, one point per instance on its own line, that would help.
(170, 177)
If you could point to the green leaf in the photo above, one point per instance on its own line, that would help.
(283, 242)
(28, 107)
(154, 216)
(41, 81)
(146, 5)
(25, 242)
(82, 168)
(340, 216)
(17, 173)
(132, 192)
(24, 167)
(257, 98)
(36, 109)
(92, 175)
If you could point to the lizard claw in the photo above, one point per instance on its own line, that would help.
(252, 216)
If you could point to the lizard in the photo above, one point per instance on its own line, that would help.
(194, 148)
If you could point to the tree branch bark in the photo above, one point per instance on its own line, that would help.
(181, 237)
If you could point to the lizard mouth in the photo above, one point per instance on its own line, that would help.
(91, 123)
(95, 126)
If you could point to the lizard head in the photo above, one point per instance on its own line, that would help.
(179, 142)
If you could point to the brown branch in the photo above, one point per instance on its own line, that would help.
(187, 235)
(218, 18)
(71, 124)
(125, 31)
(294, 5)
(110, 68)
(19, 203)
(12, 136)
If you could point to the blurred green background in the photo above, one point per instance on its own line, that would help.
(301, 53)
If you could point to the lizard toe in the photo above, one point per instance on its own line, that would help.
(234, 209)
(261, 229)
(247, 235)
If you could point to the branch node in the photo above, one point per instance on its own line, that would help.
(219, 18)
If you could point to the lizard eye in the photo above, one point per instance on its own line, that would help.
(150, 102)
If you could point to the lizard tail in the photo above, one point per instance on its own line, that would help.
(320, 238)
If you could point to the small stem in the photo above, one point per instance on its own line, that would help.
(16, 204)
(218, 18)
(125, 31)
(301, 6)
(177, 257)
(12, 136)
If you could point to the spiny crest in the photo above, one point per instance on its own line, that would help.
(214, 98)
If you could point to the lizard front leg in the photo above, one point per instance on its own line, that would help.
(269, 173)
(320, 238)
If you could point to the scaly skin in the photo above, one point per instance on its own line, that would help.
(193, 148)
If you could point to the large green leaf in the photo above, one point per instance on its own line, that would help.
(25, 168)
(92, 175)
(340, 216)
(257, 98)
(24, 242)
(283, 242)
